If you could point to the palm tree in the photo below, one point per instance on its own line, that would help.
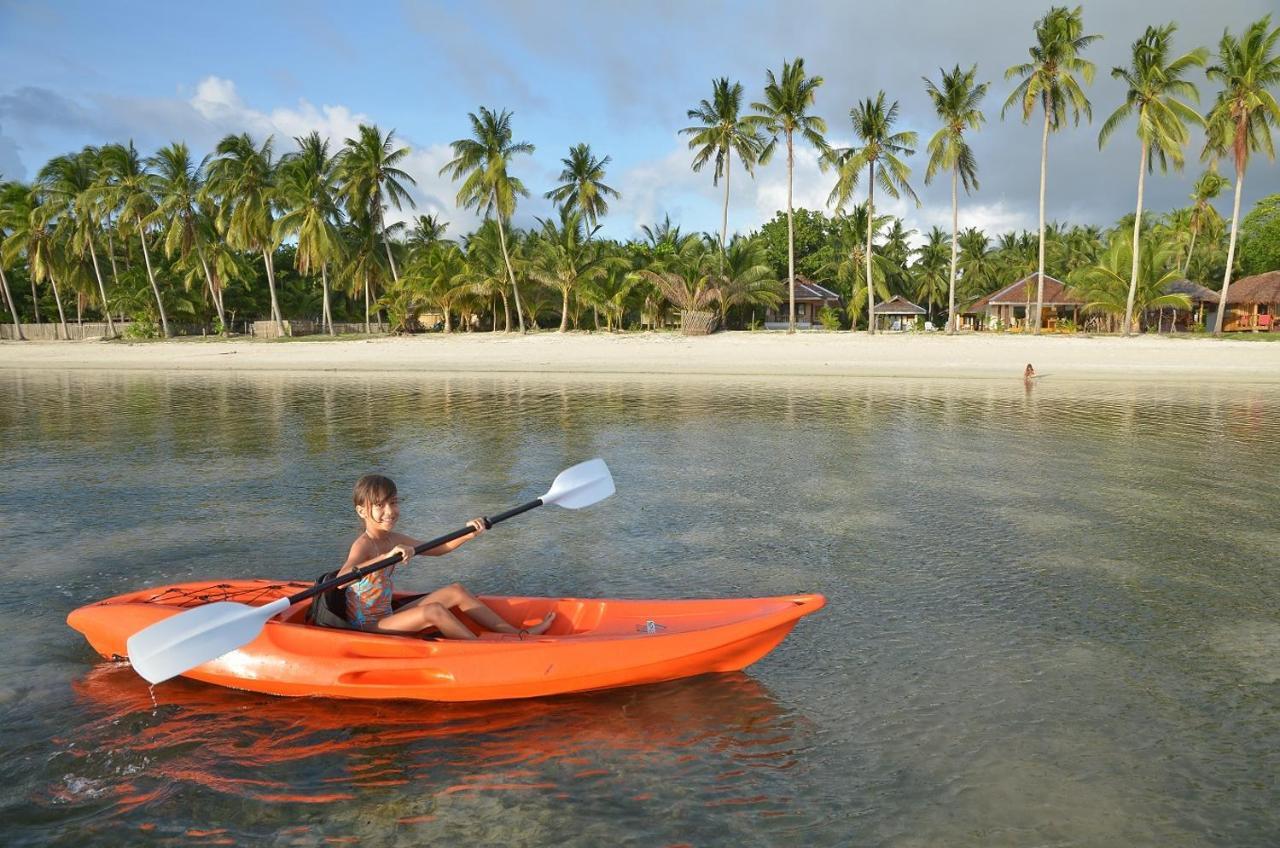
(1105, 289)
(308, 194)
(177, 182)
(363, 267)
(486, 258)
(723, 131)
(930, 278)
(956, 103)
(68, 183)
(1206, 190)
(1155, 82)
(784, 112)
(441, 278)
(873, 123)
(685, 279)
(427, 230)
(1049, 80)
(9, 197)
(481, 162)
(125, 184)
(29, 219)
(746, 278)
(565, 260)
(582, 186)
(850, 265)
(1241, 118)
(367, 171)
(242, 178)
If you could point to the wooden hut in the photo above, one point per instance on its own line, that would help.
(1009, 306)
(811, 299)
(1252, 304)
(1182, 320)
(897, 314)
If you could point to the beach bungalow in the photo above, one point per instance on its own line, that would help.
(1182, 320)
(1252, 304)
(974, 316)
(1007, 308)
(898, 314)
(811, 299)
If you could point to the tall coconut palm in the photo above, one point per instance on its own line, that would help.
(481, 162)
(582, 187)
(785, 112)
(1239, 124)
(1155, 84)
(177, 182)
(125, 184)
(363, 266)
(723, 131)
(68, 183)
(9, 194)
(1049, 80)
(849, 268)
(308, 192)
(242, 179)
(427, 230)
(367, 173)
(956, 102)
(30, 222)
(1207, 189)
(873, 122)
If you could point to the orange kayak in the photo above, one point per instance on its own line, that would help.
(592, 644)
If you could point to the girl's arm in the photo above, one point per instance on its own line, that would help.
(476, 524)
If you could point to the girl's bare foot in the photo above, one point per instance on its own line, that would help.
(542, 626)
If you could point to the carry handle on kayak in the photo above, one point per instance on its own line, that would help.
(195, 636)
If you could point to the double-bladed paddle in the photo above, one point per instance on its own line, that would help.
(184, 641)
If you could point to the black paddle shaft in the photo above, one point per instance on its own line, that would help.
(392, 559)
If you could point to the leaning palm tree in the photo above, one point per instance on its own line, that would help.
(1049, 80)
(784, 112)
(367, 173)
(308, 193)
(957, 103)
(9, 196)
(125, 185)
(1206, 190)
(32, 233)
(723, 131)
(582, 187)
(1240, 121)
(1155, 81)
(481, 162)
(873, 123)
(68, 183)
(242, 178)
(177, 182)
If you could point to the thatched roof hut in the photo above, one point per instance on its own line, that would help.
(1260, 288)
(1196, 292)
(898, 305)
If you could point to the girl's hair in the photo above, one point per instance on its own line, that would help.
(373, 489)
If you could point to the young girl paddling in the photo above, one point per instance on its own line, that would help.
(369, 605)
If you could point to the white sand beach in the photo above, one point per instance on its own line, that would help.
(983, 355)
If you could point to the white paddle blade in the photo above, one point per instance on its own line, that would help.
(183, 641)
(582, 485)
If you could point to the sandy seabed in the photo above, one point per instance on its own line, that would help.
(807, 354)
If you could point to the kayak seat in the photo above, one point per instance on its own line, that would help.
(329, 609)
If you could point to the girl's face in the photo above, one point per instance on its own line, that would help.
(380, 516)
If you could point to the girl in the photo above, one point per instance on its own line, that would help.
(369, 604)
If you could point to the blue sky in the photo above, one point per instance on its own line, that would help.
(618, 76)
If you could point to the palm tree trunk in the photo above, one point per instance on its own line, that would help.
(382, 223)
(506, 314)
(13, 310)
(151, 276)
(1044, 162)
(1137, 233)
(564, 310)
(1231, 250)
(62, 318)
(955, 230)
(35, 301)
(102, 290)
(511, 275)
(1186, 269)
(791, 239)
(324, 284)
(366, 306)
(111, 255)
(271, 285)
(724, 218)
(213, 290)
(871, 216)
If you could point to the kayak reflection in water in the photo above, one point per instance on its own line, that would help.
(369, 603)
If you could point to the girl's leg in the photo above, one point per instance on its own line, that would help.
(422, 615)
(457, 595)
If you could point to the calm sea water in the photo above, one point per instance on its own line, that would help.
(1052, 620)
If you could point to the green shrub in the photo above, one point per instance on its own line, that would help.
(143, 328)
(829, 318)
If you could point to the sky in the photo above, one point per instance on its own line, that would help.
(619, 76)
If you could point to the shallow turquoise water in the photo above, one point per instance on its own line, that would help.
(1052, 614)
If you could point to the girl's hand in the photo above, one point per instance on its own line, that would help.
(478, 526)
(406, 553)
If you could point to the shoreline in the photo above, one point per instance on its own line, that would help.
(726, 354)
